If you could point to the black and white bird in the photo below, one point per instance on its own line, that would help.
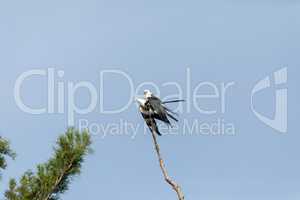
(152, 108)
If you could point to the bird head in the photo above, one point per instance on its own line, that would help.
(147, 93)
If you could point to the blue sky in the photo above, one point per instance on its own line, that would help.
(219, 41)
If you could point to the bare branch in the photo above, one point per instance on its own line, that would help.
(172, 183)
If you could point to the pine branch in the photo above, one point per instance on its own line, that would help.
(172, 183)
(53, 177)
(5, 151)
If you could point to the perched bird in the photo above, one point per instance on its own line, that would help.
(152, 108)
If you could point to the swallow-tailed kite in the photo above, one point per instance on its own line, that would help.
(152, 108)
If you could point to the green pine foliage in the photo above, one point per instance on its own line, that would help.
(53, 178)
(5, 151)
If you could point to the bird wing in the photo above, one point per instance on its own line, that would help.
(159, 111)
